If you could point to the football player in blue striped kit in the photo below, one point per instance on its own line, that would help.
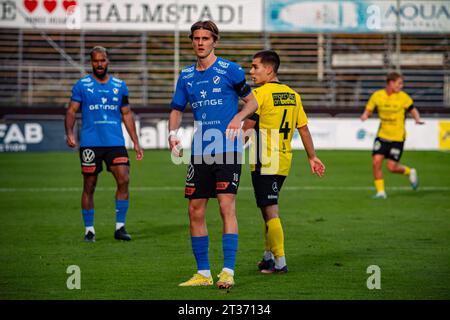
(213, 87)
(103, 100)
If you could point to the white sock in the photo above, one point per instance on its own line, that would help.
(280, 262)
(119, 225)
(205, 273)
(230, 271)
(268, 255)
(89, 229)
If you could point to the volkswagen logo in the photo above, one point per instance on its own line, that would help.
(88, 155)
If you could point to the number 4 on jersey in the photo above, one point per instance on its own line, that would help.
(284, 126)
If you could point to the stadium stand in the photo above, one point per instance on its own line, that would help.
(332, 71)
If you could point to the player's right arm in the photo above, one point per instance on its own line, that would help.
(369, 108)
(69, 122)
(175, 118)
(365, 115)
(178, 104)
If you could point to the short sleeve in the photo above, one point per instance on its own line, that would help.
(237, 74)
(237, 78)
(76, 92)
(180, 97)
(371, 104)
(302, 119)
(125, 101)
(408, 101)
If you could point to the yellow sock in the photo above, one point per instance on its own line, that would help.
(379, 185)
(275, 236)
(407, 171)
(266, 239)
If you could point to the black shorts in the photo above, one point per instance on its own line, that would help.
(390, 149)
(92, 157)
(204, 180)
(267, 188)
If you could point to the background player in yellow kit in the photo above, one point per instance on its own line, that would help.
(392, 104)
(279, 113)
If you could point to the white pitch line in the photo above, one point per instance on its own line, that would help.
(171, 188)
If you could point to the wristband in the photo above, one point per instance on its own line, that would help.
(173, 133)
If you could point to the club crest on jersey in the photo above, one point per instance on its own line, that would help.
(223, 64)
(216, 80)
(115, 90)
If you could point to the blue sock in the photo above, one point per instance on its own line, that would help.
(200, 249)
(121, 210)
(229, 245)
(88, 217)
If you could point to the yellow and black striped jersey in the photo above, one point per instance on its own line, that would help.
(279, 113)
(392, 113)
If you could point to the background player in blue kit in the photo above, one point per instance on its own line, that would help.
(104, 105)
(212, 86)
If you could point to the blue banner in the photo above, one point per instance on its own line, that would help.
(32, 135)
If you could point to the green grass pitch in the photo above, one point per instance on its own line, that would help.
(333, 232)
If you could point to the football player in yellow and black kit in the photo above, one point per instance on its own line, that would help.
(392, 104)
(280, 112)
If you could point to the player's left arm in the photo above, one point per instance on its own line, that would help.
(249, 108)
(128, 121)
(317, 167)
(416, 115)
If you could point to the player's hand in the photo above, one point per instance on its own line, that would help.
(139, 152)
(364, 117)
(234, 128)
(420, 122)
(317, 167)
(175, 146)
(70, 140)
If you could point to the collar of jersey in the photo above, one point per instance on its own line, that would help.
(210, 67)
(99, 83)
